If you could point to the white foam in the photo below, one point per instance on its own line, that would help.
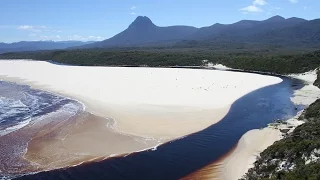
(16, 127)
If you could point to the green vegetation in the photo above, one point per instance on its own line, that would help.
(294, 157)
(306, 172)
(258, 61)
(313, 111)
(111, 58)
(317, 82)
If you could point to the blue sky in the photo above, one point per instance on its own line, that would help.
(100, 19)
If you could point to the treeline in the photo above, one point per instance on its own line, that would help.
(257, 61)
(112, 58)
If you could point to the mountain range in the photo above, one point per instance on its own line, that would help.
(275, 30)
(142, 32)
(38, 45)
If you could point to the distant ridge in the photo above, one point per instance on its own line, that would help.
(277, 29)
(39, 45)
(143, 31)
(244, 29)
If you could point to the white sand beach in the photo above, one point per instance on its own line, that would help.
(119, 92)
(156, 103)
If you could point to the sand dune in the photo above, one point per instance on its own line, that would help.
(155, 103)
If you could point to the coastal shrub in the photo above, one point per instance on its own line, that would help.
(293, 152)
(313, 111)
(317, 81)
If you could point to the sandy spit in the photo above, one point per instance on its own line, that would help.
(160, 104)
(143, 98)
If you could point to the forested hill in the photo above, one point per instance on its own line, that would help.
(292, 32)
(297, 156)
(143, 32)
(256, 61)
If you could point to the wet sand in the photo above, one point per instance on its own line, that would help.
(149, 106)
(85, 138)
(61, 142)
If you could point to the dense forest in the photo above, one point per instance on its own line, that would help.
(281, 63)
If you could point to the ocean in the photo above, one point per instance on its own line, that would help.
(22, 107)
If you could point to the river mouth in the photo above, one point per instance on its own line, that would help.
(181, 157)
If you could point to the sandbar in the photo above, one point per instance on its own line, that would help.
(157, 104)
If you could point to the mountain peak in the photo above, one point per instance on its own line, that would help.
(276, 18)
(142, 21)
(295, 19)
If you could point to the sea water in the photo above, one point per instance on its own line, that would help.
(21, 107)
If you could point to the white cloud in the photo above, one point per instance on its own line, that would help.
(54, 31)
(32, 28)
(251, 9)
(25, 27)
(294, 1)
(51, 38)
(254, 7)
(259, 2)
(132, 10)
(88, 38)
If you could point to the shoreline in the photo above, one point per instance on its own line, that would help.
(86, 142)
(253, 142)
(99, 108)
(183, 118)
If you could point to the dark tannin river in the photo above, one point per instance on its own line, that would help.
(181, 157)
